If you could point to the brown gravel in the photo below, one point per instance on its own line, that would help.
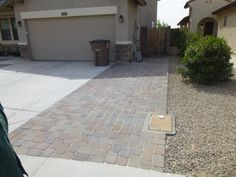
(205, 144)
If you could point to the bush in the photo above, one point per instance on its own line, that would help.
(207, 61)
(186, 38)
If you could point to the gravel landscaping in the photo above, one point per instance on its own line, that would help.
(205, 143)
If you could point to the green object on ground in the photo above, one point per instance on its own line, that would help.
(10, 163)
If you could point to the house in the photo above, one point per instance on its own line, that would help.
(184, 23)
(62, 29)
(148, 15)
(200, 17)
(227, 24)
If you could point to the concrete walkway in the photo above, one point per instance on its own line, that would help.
(30, 87)
(49, 167)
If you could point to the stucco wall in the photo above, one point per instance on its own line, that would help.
(127, 8)
(133, 11)
(229, 31)
(202, 9)
(35, 5)
(21, 30)
(148, 14)
(122, 29)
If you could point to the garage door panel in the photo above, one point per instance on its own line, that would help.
(68, 38)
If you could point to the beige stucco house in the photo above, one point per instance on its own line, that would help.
(148, 14)
(62, 29)
(200, 17)
(227, 24)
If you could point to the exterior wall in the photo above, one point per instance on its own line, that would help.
(148, 14)
(122, 32)
(124, 48)
(126, 8)
(228, 32)
(201, 9)
(124, 51)
(21, 30)
(132, 17)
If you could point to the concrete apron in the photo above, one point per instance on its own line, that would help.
(30, 87)
(49, 167)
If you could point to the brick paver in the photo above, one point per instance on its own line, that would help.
(103, 121)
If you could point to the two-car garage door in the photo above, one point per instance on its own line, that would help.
(68, 38)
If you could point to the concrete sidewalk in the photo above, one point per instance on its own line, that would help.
(49, 167)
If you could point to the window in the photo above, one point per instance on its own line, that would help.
(14, 29)
(8, 29)
(225, 20)
(5, 29)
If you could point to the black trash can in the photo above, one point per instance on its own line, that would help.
(101, 49)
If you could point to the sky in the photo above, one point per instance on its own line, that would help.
(171, 11)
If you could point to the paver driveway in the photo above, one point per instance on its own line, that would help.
(103, 121)
(29, 87)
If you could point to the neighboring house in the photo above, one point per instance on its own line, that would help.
(200, 17)
(227, 24)
(62, 29)
(184, 23)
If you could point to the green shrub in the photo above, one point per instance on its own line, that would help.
(186, 38)
(207, 61)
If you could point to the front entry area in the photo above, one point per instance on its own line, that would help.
(207, 26)
(68, 38)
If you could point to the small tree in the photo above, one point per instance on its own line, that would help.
(185, 38)
(207, 61)
(161, 24)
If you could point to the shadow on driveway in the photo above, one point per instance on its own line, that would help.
(82, 70)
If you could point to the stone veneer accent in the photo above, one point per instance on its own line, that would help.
(124, 52)
(9, 49)
(24, 51)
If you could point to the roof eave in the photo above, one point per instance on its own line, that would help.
(225, 8)
(185, 20)
(187, 4)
